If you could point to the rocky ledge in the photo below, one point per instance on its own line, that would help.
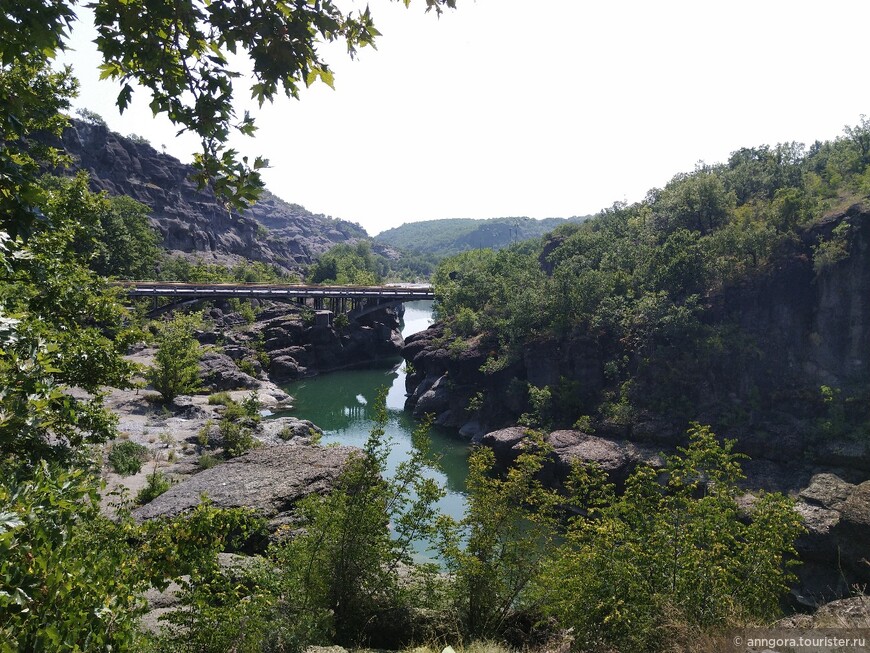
(270, 480)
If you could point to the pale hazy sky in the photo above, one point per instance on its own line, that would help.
(540, 107)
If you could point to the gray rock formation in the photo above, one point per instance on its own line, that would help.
(835, 550)
(270, 480)
(190, 219)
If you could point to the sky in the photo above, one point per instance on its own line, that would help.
(543, 108)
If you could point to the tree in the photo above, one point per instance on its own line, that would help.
(183, 54)
(498, 549)
(176, 364)
(113, 236)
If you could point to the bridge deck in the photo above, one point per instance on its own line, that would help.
(397, 292)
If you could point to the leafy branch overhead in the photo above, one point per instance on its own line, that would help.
(184, 52)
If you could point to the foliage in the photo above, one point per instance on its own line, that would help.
(678, 545)
(113, 236)
(176, 363)
(219, 399)
(34, 96)
(442, 238)
(497, 550)
(634, 285)
(181, 268)
(61, 328)
(126, 457)
(91, 117)
(829, 252)
(347, 264)
(237, 425)
(156, 484)
(72, 579)
(343, 570)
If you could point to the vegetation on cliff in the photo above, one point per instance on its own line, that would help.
(645, 289)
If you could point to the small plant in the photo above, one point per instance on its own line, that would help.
(584, 424)
(251, 404)
(126, 457)
(207, 461)
(247, 366)
(91, 117)
(202, 435)
(157, 484)
(237, 438)
(341, 321)
(219, 399)
(247, 312)
(475, 403)
(139, 140)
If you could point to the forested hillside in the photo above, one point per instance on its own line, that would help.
(451, 236)
(735, 295)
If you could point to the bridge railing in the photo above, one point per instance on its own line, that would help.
(227, 290)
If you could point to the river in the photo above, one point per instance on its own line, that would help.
(341, 404)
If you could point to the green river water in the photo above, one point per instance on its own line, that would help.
(341, 404)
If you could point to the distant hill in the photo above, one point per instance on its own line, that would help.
(451, 236)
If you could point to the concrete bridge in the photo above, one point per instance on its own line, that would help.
(353, 300)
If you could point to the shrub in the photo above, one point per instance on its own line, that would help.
(341, 575)
(674, 545)
(247, 366)
(499, 547)
(157, 484)
(126, 457)
(237, 438)
(219, 399)
(176, 364)
(207, 461)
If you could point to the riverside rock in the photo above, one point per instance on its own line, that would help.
(269, 480)
(834, 549)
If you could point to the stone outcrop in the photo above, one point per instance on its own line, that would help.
(190, 219)
(834, 550)
(269, 480)
(292, 347)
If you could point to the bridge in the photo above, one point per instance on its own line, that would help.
(354, 300)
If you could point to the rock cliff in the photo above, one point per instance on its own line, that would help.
(799, 331)
(192, 220)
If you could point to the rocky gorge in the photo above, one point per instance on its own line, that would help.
(808, 327)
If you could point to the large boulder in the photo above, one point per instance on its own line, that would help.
(220, 372)
(617, 458)
(834, 548)
(269, 480)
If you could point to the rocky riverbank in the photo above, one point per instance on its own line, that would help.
(243, 359)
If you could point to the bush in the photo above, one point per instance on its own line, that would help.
(673, 546)
(126, 457)
(219, 399)
(341, 575)
(207, 461)
(237, 438)
(500, 546)
(157, 484)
